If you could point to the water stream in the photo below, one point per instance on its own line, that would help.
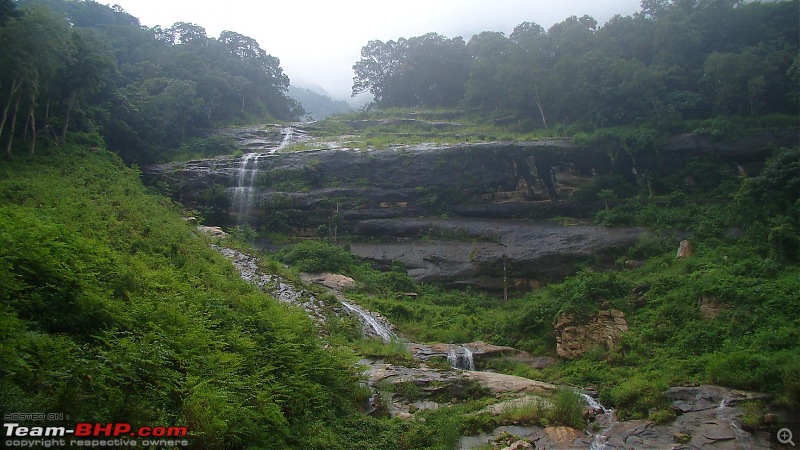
(460, 357)
(247, 175)
(600, 441)
(371, 324)
(727, 415)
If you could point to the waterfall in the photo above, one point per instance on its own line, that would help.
(452, 358)
(600, 441)
(247, 175)
(468, 357)
(724, 414)
(461, 359)
(371, 323)
(245, 179)
(288, 134)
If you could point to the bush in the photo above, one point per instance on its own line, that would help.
(316, 256)
(567, 409)
(745, 370)
(634, 398)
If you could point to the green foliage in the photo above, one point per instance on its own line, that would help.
(623, 73)
(153, 94)
(529, 410)
(567, 409)
(243, 234)
(635, 397)
(316, 256)
(112, 307)
(746, 370)
(394, 352)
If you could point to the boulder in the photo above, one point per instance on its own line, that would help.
(501, 383)
(573, 339)
(333, 281)
(685, 250)
(519, 445)
(212, 232)
(633, 263)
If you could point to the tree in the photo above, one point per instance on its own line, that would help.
(28, 66)
(378, 63)
(433, 72)
(188, 33)
(488, 51)
(85, 70)
(8, 10)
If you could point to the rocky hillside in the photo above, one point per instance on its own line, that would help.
(452, 213)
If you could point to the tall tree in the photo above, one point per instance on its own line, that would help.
(28, 65)
(378, 63)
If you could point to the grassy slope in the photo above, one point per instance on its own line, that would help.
(112, 309)
(754, 344)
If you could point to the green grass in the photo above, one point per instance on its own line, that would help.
(112, 308)
(755, 274)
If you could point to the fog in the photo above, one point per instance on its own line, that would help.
(319, 41)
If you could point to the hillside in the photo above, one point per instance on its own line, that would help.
(113, 308)
(576, 237)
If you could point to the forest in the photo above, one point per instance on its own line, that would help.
(147, 92)
(113, 308)
(674, 60)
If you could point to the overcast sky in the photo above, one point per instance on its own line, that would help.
(318, 41)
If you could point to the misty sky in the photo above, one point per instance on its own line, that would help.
(318, 41)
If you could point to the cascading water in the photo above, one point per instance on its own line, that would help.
(245, 180)
(247, 175)
(288, 135)
(371, 322)
(725, 414)
(461, 358)
(600, 441)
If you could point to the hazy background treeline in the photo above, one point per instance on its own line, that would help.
(673, 60)
(78, 65)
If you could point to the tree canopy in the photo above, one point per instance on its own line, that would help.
(673, 60)
(95, 68)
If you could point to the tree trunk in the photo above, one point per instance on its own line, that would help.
(655, 107)
(13, 125)
(539, 105)
(31, 114)
(505, 281)
(70, 104)
(15, 85)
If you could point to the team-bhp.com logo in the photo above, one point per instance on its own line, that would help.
(85, 434)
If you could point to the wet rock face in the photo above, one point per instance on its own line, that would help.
(490, 254)
(573, 339)
(379, 196)
(490, 180)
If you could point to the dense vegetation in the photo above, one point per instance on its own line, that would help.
(146, 91)
(745, 232)
(112, 308)
(673, 60)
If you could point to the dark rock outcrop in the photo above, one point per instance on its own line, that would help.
(478, 189)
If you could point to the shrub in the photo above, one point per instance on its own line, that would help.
(567, 409)
(316, 256)
(634, 398)
(745, 370)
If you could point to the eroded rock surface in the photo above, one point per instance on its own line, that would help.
(378, 195)
(573, 339)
